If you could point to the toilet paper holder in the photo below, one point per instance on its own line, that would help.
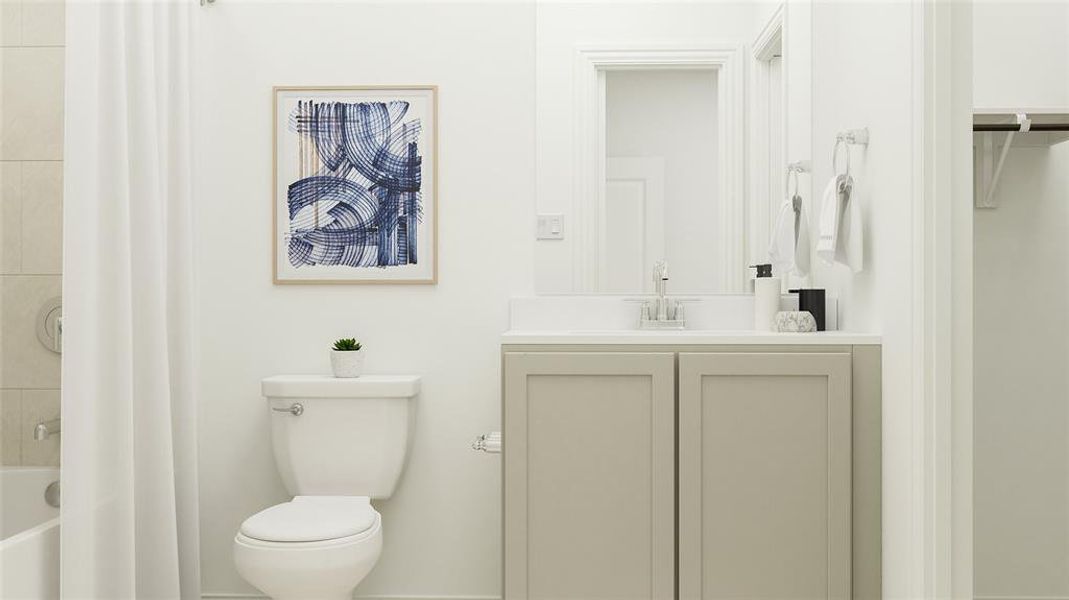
(488, 442)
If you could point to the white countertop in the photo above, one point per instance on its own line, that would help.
(694, 337)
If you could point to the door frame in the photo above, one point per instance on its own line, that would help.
(759, 214)
(941, 430)
(591, 63)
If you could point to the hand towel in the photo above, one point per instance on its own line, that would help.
(789, 249)
(841, 225)
(850, 248)
(830, 214)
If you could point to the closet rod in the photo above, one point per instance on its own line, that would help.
(1016, 127)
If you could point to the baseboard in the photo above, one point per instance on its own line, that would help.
(223, 596)
(979, 597)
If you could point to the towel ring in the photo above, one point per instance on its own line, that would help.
(792, 178)
(839, 142)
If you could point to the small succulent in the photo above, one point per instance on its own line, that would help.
(347, 345)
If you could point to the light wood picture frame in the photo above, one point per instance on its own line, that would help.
(355, 184)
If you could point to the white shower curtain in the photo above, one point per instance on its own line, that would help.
(129, 479)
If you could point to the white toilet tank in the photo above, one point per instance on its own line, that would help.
(340, 437)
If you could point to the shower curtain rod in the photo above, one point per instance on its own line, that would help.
(1017, 128)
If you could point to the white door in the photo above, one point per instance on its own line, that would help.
(632, 224)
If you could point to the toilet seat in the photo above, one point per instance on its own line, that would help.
(311, 519)
(323, 563)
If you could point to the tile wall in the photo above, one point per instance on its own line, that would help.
(31, 220)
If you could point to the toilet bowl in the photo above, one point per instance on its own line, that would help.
(311, 548)
(339, 444)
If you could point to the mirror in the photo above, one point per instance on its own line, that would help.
(662, 134)
(660, 196)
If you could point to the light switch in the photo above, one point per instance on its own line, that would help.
(551, 226)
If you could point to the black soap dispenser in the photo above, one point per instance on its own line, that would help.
(813, 301)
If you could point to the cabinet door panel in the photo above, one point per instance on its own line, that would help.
(764, 475)
(589, 476)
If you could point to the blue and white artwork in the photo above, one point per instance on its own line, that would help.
(354, 191)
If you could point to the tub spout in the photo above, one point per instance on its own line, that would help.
(44, 429)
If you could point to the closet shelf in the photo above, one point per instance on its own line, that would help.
(997, 130)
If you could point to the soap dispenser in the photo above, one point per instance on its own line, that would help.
(766, 298)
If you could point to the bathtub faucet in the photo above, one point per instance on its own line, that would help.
(45, 429)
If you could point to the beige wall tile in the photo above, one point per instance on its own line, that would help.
(42, 23)
(31, 103)
(10, 22)
(38, 406)
(10, 217)
(10, 427)
(42, 218)
(24, 362)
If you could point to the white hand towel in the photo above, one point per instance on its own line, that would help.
(841, 226)
(830, 214)
(850, 247)
(789, 249)
(801, 245)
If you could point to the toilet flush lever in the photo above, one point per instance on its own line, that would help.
(296, 409)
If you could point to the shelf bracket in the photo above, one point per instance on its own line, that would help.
(989, 171)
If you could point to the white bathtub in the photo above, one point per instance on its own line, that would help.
(29, 535)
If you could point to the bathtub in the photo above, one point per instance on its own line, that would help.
(29, 535)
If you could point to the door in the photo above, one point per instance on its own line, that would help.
(764, 476)
(632, 228)
(589, 480)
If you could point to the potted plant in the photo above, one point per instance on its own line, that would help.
(347, 358)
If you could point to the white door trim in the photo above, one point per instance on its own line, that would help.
(590, 65)
(941, 533)
(759, 212)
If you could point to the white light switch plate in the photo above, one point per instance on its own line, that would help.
(551, 226)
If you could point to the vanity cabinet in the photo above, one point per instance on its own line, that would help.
(693, 472)
(589, 484)
(764, 475)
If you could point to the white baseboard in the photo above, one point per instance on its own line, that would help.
(225, 596)
(979, 597)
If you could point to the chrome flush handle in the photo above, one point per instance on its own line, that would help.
(296, 409)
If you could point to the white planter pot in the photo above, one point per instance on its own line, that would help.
(347, 363)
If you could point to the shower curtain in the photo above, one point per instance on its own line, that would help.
(129, 511)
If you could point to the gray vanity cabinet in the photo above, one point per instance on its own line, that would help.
(692, 472)
(589, 475)
(764, 475)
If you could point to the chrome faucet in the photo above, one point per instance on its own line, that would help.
(660, 285)
(661, 312)
(45, 429)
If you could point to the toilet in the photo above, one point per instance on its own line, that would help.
(338, 445)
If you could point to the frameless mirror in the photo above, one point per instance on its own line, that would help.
(662, 136)
(660, 195)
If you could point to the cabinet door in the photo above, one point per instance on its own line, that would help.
(589, 480)
(764, 475)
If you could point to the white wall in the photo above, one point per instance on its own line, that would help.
(1021, 54)
(1021, 448)
(862, 76)
(442, 527)
(562, 26)
(31, 221)
(1021, 334)
(672, 114)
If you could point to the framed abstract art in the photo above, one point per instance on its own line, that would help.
(355, 184)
